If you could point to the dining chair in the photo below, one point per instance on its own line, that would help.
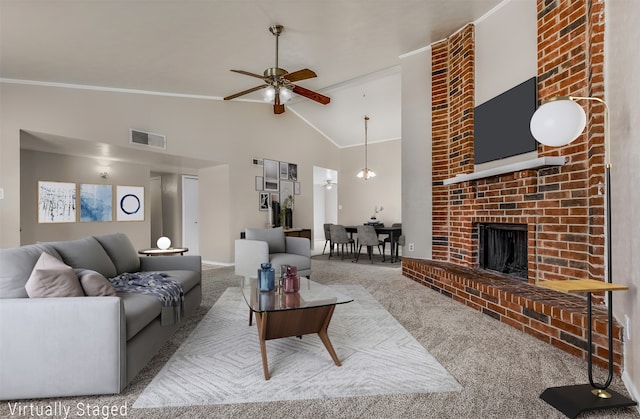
(402, 240)
(367, 236)
(327, 236)
(340, 236)
(395, 240)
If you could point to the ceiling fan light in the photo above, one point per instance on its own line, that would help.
(285, 95)
(269, 94)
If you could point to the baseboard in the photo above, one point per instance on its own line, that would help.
(633, 392)
(210, 262)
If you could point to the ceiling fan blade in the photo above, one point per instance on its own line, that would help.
(246, 73)
(244, 92)
(310, 94)
(278, 108)
(303, 74)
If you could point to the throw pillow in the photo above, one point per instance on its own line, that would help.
(94, 284)
(52, 278)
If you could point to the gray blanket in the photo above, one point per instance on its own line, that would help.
(168, 291)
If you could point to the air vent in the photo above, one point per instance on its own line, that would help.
(148, 139)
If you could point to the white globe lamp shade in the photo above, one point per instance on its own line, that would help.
(285, 95)
(269, 94)
(558, 122)
(163, 243)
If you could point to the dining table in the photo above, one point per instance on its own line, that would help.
(392, 232)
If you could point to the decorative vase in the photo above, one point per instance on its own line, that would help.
(291, 280)
(276, 214)
(266, 277)
(288, 218)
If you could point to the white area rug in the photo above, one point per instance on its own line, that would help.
(220, 362)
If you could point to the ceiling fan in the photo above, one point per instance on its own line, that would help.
(279, 82)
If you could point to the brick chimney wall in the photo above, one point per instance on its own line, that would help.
(562, 206)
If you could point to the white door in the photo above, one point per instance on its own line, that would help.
(190, 215)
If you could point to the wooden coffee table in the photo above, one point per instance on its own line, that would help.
(279, 314)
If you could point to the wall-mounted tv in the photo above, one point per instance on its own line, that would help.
(501, 124)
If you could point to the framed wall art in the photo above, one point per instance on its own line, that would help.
(296, 188)
(263, 201)
(259, 183)
(130, 203)
(286, 189)
(56, 202)
(271, 174)
(293, 171)
(284, 171)
(96, 202)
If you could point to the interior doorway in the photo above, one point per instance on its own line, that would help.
(190, 214)
(325, 203)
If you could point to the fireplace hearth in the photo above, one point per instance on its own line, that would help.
(503, 248)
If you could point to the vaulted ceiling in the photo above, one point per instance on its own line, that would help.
(188, 47)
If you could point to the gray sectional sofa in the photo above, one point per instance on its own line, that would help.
(72, 346)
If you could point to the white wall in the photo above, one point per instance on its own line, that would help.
(38, 166)
(416, 153)
(622, 90)
(506, 52)
(227, 133)
(358, 197)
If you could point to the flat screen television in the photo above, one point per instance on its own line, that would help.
(501, 124)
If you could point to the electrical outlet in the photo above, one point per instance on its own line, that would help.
(627, 328)
(412, 247)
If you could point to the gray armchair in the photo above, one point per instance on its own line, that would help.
(262, 245)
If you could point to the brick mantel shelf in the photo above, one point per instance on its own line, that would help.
(508, 168)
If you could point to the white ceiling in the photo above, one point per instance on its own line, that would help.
(189, 46)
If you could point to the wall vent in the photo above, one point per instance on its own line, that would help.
(148, 139)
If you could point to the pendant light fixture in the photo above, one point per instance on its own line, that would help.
(366, 173)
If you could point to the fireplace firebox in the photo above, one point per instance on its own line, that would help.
(503, 248)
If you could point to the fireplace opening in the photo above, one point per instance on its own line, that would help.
(503, 248)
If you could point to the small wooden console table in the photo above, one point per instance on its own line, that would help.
(575, 399)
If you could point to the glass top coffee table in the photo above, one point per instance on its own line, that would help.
(279, 314)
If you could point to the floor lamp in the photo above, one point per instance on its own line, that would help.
(559, 121)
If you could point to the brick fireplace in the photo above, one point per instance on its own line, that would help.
(559, 207)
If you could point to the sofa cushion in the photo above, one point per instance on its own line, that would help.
(142, 309)
(121, 251)
(301, 262)
(52, 278)
(16, 265)
(188, 279)
(94, 284)
(273, 236)
(86, 253)
(139, 310)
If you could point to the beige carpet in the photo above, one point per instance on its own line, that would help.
(502, 371)
(220, 362)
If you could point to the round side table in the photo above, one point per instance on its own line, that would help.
(163, 252)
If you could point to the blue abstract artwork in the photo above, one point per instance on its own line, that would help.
(96, 202)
